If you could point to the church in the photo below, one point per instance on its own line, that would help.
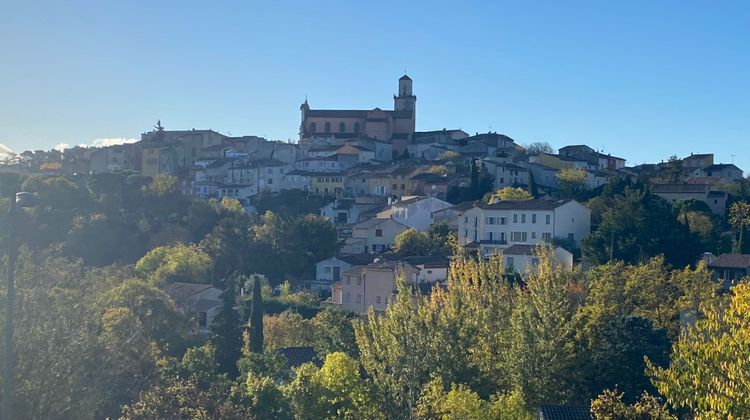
(395, 127)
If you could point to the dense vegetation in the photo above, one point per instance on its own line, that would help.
(643, 332)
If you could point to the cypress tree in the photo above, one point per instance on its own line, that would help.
(227, 333)
(256, 318)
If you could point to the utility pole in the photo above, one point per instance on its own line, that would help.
(9, 356)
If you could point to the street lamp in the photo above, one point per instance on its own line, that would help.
(18, 201)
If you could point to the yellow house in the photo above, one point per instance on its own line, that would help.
(327, 184)
(400, 179)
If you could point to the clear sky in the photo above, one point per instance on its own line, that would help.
(639, 79)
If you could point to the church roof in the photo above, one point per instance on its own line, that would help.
(405, 77)
(353, 113)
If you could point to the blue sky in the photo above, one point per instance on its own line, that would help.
(638, 79)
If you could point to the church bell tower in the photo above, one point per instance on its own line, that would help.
(405, 100)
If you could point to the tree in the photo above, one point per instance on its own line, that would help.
(335, 391)
(709, 372)
(290, 247)
(287, 329)
(334, 332)
(542, 334)
(184, 398)
(267, 401)
(412, 242)
(539, 147)
(460, 402)
(571, 183)
(256, 318)
(509, 194)
(178, 263)
(739, 218)
(293, 202)
(160, 320)
(610, 405)
(226, 332)
(637, 227)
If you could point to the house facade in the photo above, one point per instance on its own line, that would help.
(373, 236)
(415, 212)
(524, 259)
(531, 222)
(371, 286)
(201, 301)
(728, 269)
(716, 200)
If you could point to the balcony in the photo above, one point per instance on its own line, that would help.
(493, 242)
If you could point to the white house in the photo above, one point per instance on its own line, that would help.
(202, 301)
(347, 211)
(415, 212)
(530, 222)
(372, 236)
(370, 286)
(523, 258)
(506, 174)
(329, 270)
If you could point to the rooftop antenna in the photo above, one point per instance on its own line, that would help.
(732, 159)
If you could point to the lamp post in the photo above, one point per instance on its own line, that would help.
(17, 201)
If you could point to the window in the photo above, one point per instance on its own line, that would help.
(466, 233)
(202, 319)
(347, 297)
(518, 236)
(356, 127)
(533, 218)
(503, 220)
(394, 186)
(533, 235)
(546, 236)
(379, 233)
(489, 220)
(342, 127)
(571, 237)
(328, 127)
(359, 281)
(270, 181)
(509, 262)
(523, 218)
(349, 279)
(515, 218)
(547, 219)
(313, 127)
(377, 299)
(466, 220)
(328, 269)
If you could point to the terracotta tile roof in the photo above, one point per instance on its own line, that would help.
(180, 291)
(679, 188)
(731, 261)
(523, 205)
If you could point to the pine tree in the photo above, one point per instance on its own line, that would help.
(256, 318)
(474, 191)
(227, 333)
